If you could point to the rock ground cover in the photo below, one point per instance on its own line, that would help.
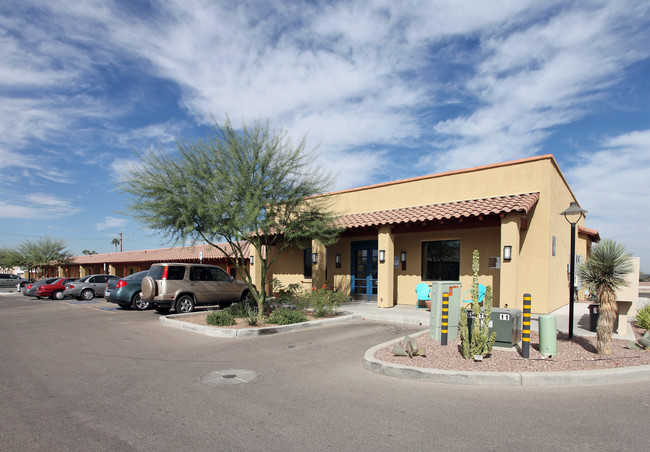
(579, 354)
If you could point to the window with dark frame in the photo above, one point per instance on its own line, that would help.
(307, 263)
(441, 260)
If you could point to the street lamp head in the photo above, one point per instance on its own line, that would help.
(573, 213)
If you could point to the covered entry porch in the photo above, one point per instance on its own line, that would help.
(383, 255)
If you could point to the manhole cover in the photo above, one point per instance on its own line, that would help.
(229, 377)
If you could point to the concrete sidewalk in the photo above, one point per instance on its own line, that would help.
(411, 315)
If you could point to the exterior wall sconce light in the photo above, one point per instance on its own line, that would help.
(402, 258)
(337, 260)
(314, 258)
(252, 259)
(382, 256)
(507, 253)
(572, 214)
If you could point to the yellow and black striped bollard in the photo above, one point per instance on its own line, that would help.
(445, 319)
(525, 331)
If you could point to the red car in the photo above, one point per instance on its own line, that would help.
(54, 290)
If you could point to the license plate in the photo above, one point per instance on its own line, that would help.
(107, 293)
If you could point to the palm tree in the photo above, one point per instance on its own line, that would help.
(115, 242)
(604, 272)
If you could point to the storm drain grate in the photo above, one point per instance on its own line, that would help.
(229, 377)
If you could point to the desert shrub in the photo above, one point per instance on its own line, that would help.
(324, 302)
(642, 318)
(251, 315)
(284, 316)
(289, 295)
(220, 318)
(238, 310)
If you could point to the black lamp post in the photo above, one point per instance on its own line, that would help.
(572, 214)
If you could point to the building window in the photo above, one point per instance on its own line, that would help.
(307, 261)
(441, 260)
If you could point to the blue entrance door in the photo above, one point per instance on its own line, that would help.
(364, 270)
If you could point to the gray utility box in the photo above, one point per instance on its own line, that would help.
(505, 322)
(437, 289)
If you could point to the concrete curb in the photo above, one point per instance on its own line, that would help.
(536, 379)
(170, 320)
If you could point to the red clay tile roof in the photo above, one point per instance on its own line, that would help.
(459, 209)
(591, 233)
(176, 254)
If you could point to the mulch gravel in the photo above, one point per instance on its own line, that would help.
(579, 354)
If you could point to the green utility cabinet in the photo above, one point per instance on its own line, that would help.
(437, 289)
(505, 322)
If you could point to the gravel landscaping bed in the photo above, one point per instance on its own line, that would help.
(579, 354)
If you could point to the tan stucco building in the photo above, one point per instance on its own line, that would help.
(401, 233)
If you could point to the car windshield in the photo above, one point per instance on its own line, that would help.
(84, 279)
(139, 275)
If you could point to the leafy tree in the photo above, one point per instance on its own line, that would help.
(115, 242)
(9, 258)
(43, 252)
(88, 252)
(604, 272)
(251, 187)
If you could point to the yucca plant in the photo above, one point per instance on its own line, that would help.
(604, 273)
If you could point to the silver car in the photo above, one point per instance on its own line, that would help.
(88, 288)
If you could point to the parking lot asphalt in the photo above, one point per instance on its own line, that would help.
(90, 376)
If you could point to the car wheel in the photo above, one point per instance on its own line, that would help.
(138, 303)
(161, 309)
(87, 294)
(185, 304)
(58, 295)
(124, 306)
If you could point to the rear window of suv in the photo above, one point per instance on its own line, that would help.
(174, 272)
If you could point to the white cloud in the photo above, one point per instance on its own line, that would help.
(538, 78)
(112, 223)
(35, 206)
(612, 184)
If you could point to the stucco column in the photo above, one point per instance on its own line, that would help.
(255, 269)
(509, 284)
(385, 270)
(318, 273)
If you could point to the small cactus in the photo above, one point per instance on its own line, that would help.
(408, 348)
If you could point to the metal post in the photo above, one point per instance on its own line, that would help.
(525, 331)
(572, 266)
(445, 319)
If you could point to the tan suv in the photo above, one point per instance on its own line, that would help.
(182, 286)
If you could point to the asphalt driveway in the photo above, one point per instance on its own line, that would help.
(90, 376)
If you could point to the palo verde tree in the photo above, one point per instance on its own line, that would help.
(249, 187)
(604, 273)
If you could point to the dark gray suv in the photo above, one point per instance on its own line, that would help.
(182, 286)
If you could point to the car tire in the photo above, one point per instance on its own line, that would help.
(161, 309)
(87, 294)
(138, 303)
(58, 295)
(185, 304)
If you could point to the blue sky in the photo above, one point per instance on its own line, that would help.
(386, 89)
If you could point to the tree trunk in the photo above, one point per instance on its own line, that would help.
(606, 319)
